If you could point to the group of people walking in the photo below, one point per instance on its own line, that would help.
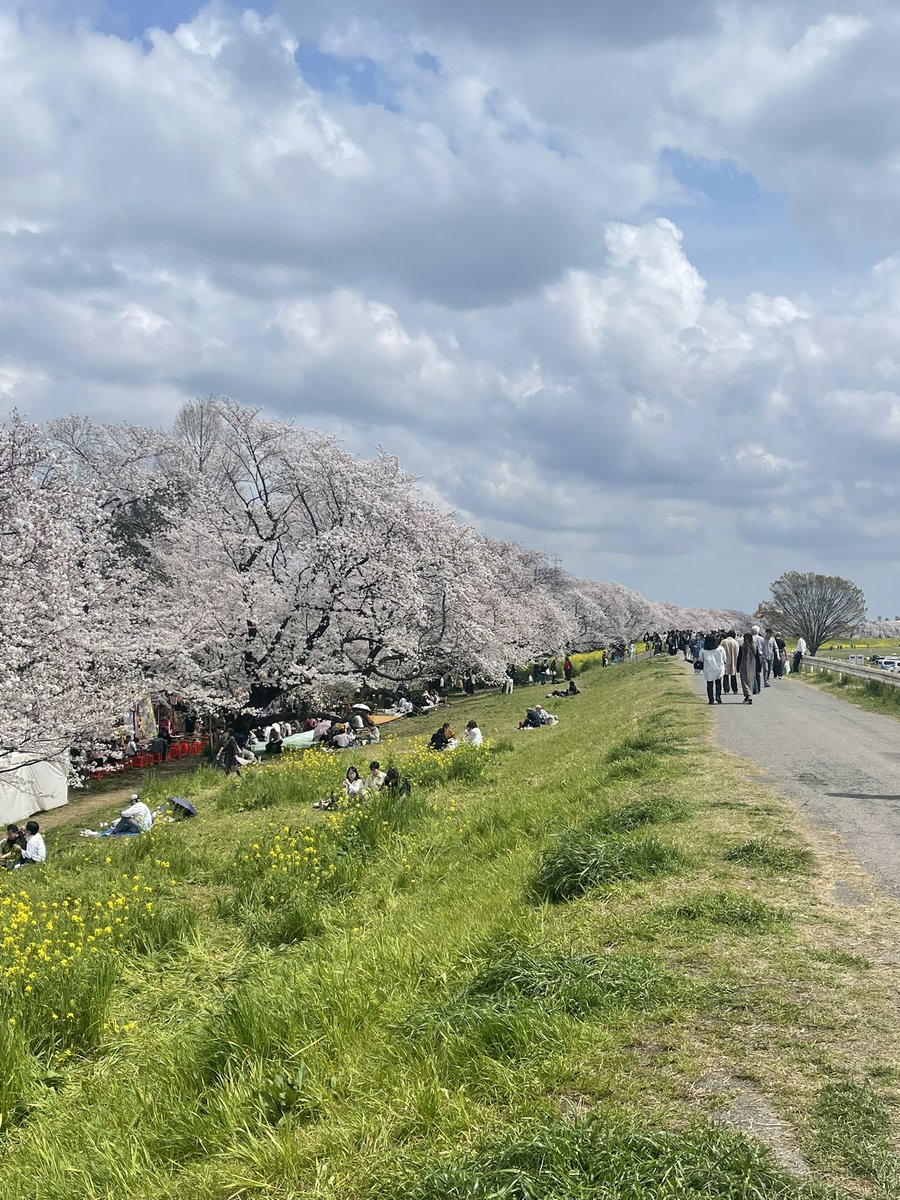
(755, 659)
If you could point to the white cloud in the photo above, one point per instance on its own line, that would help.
(468, 272)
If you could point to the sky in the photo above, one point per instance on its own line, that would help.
(620, 282)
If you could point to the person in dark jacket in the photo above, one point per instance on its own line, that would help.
(748, 665)
(443, 737)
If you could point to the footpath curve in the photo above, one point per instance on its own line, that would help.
(840, 764)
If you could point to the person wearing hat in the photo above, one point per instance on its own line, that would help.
(136, 818)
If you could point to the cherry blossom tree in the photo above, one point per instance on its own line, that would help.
(74, 643)
(240, 563)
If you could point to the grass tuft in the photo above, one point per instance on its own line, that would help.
(578, 983)
(770, 855)
(608, 1159)
(582, 860)
(855, 1126)
(648, 810)
(743, 914)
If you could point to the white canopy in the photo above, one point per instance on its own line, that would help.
(31, 787)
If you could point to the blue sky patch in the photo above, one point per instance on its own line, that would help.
(357, 77)
(740, 236)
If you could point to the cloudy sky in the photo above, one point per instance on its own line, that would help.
(620, 281)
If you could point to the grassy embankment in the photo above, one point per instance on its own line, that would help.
(870, 694)
(542, 977)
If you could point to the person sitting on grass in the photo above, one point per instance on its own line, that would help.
(396, 783)
(135, 818)
(473, 735)
(273, 745)
(405, 706)
(374, 781)
(13, 845)
(245, 755)
(536, 717)
(443, 738)
(341, 737)
(352, 785)
(35, 851)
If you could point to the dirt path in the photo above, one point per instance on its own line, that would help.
(840, 763)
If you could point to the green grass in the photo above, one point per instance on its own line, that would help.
(376, 1006)
(856, 1126)
(874, 695)
(769, 855)
(604, 1159)
(744, 914)
(581, 861)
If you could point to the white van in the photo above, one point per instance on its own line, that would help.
(890, 664)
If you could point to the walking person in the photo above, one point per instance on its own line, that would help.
(798, 655)
(769, 656)
(780, 657)
(731, 646)
(748, 667)
(759, 645)
(713, 658)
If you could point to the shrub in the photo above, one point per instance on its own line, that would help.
(581, 861)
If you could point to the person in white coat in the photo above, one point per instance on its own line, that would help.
(799, 654)
(713, 658)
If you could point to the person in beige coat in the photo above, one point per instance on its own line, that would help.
(731, 646)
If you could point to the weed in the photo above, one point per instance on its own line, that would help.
(607, 1158)
(770, 855)
(842, 959)
(744, 914)
(173, 925)
(577, 983)
(581, 860)
(855, 1125)
(648, 810)
(295, 920)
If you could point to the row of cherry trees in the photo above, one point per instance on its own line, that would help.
(238, 560)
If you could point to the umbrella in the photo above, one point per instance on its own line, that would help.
(361, 708)
(183, 807)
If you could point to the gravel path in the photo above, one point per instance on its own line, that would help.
(840, 763)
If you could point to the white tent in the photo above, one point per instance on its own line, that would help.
(32, 787)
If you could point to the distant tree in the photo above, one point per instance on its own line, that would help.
(814, 607)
